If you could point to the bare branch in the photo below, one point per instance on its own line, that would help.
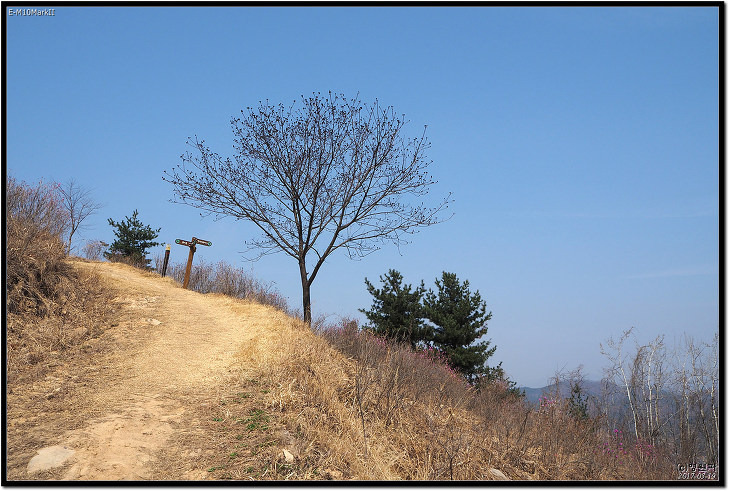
(78, 205)
(328, 173)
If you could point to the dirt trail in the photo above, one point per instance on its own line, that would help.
(186, 346)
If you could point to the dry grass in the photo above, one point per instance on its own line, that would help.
(342, 403)
(307, 392)
(82, 312)
(52, 308)
(35, 272)
(225, 279)
(371, 410)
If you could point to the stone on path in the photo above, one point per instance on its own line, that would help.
(48, 458)
(498, 475)
(288, 456)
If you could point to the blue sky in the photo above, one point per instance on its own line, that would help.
(580, 145)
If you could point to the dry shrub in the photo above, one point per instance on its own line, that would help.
(367, 411)
(420, 422)
(83, 309)
(398, 371)
(227, 280)
(94, 249)
(51, 306)
(36, 274)
(548, 443)
(322, 391)
(134, 260)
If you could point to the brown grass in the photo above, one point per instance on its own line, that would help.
(81, 313)
(343, 404)
(225, 279)
(372, 410)
(35, 271)
(52, 309)
(347, 405)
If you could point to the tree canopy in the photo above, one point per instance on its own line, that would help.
(452, 320)
(397, 311)
(459, 318)
(79, 206)
(322, 174)
(133, 238)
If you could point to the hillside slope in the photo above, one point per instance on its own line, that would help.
(178, 385)
(168, 384)
(187, 386)
(172, 347)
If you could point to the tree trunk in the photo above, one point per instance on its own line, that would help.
(306, 292)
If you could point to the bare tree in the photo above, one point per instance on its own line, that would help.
(647, 382)
(673, 398)
(697, 386)
(712, 370)
(78, 205)
(332, 173)
(644, 378)
(614, 352)
(94, 249)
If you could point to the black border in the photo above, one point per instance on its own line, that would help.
(396, 3)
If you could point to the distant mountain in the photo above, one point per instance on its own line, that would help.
(590, 388)
(593, 389)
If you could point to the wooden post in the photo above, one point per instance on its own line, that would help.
(191, 245)
(189, 266)
(167, 258)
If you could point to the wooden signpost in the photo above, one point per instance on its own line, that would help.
(167, 259)
(191, 244)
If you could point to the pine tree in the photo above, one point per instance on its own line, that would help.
(396, 311)
(133, 240)
(577, 403)
(459, 319)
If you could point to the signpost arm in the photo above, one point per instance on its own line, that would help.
(191, 245)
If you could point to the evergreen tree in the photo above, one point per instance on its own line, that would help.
(459, 319)
(497, 375)
(396, 311)
(577, 403)
(133, 238)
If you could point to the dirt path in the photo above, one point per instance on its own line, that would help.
(186, 344)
